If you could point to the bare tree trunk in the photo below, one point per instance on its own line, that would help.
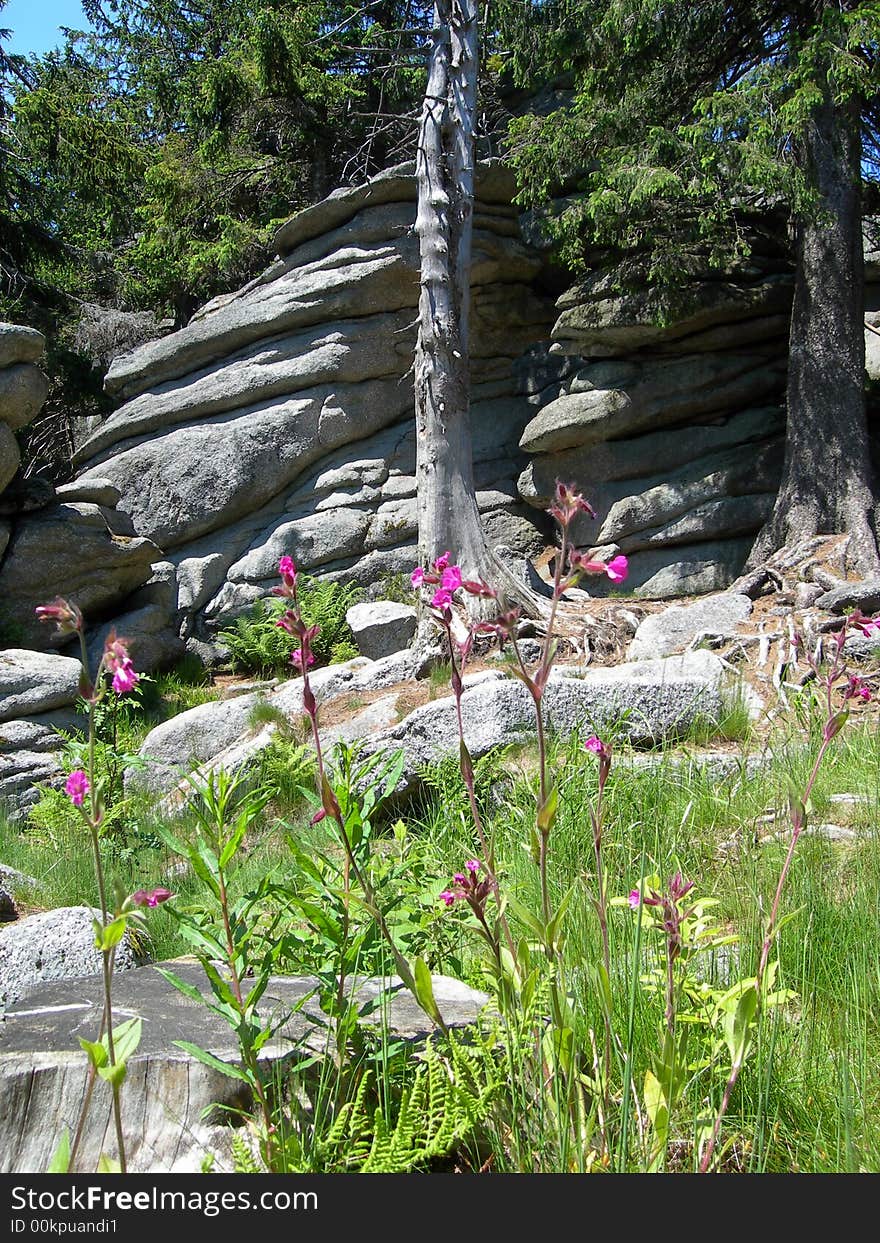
(447, 506)
(827, 480)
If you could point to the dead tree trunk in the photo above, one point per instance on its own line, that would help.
(447, 505)
(827, 480)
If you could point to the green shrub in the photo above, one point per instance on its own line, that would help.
(257, 644)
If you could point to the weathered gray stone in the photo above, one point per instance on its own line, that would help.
(53, 945)
(685, 570)
(20, 345)
(30, 754)
(70, 551)
(494, 184)
(382, 627)
(171, 485)
(152, 641)
(651, 454)
(616, 399)
(675, 628)
(646, 702)
(178, 1102)
(196, 737)
(23, 389)
(331, 353)
(8, 909)
(600, 321)
(94, 490)
(32, 682)
(725, 517)
(339, 287)
(864, 595)
(10, 456)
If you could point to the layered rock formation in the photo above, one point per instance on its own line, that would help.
(69, 543)
(280, 420)
(673, 426)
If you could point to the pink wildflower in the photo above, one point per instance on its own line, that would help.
(441, 598)
(568, 503)
(450, 579)
(76, 787)
(473, 866)
(116, 660)
(595, 744)
(448, 897)
(442, 562)
(857, 688)
(617, 569)
(296, 658)
(417, 577)
(150, 897)
(634, 899)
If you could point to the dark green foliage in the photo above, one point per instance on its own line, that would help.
(684, 118)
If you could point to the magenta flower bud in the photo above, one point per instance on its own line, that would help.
(472, 865)
(65, 615)
(442, 562)
(150, 897)
(76, 787)
(460, 878)
(318, 816)
(448, 897)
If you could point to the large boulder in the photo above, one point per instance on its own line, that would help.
(71, 550)
(53, 945)
(647, 703)
(381, 627)
(32, 682)
(675, 628)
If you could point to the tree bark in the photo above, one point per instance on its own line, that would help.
(447, 506)
(827, 479)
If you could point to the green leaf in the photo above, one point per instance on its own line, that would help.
(59, 1163)
(126, 1038)
(97, 1053)
(737, 1024)
(115, 1075)
(108, 1165)
(111, 934)
(655, 1104)
(208, 1059)
(425, 990)
(547, 811)
(182, 986)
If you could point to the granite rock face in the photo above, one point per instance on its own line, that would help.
(53, 945)
(280, 419)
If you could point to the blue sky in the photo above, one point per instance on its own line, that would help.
(35, 23)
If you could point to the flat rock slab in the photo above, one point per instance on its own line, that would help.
(864, 595)
(32, 682)
(43, 1072)
(645, 702)
(675, 628)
